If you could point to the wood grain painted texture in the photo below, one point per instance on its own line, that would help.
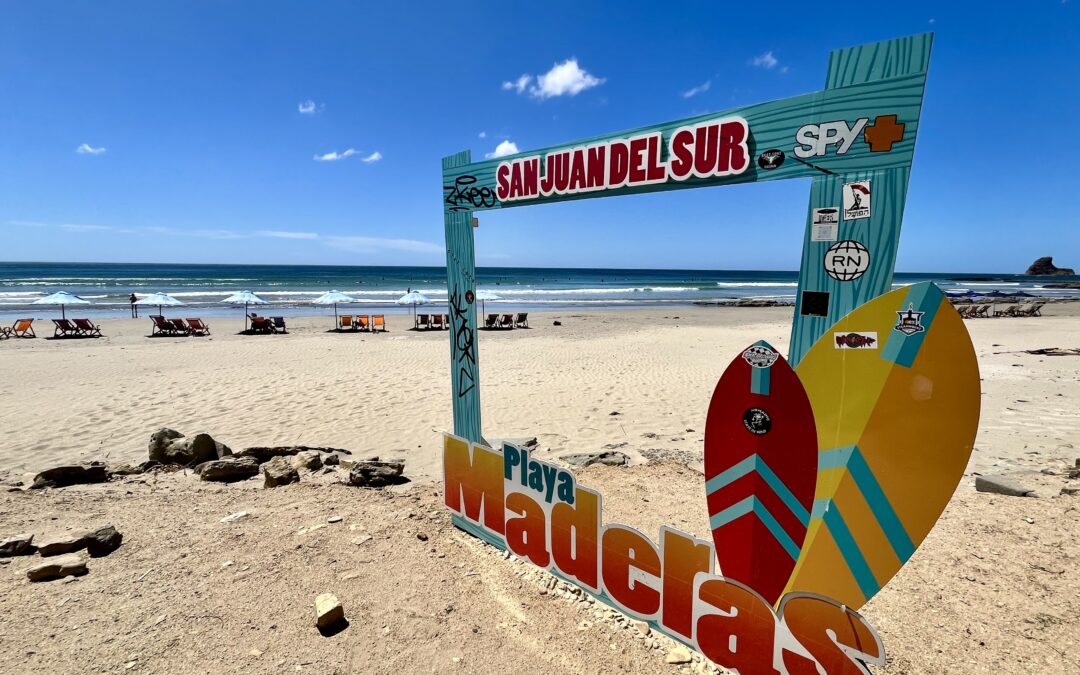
(884, 63)
(461, 288)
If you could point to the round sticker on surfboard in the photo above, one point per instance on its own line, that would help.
(895, 426)
(760, 469)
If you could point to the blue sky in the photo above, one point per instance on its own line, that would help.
(207, 131)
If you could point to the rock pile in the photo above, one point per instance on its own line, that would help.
(375, 473)
(168, 446)
(1044, 267)
(60, 551)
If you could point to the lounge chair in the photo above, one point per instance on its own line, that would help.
(161, 326)
(492, 321)
(506, 321)
(197, 327)
(363, 322)
(345, 322)
(22, 328)
(446, 321)
(180, 326)
(421, 321)
(64, 329)
(522, 320)
(963, 310)
(1005, 311)
(86, 328)
(378, 323)
(279, 324)
(1034, 309)
(261, 325)
(436, 321)
(981, 312)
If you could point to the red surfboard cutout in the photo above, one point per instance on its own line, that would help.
(760, 469)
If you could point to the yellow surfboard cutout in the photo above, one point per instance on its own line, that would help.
(895, 390)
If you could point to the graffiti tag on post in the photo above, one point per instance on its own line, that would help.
(464, 195)
(464, 344)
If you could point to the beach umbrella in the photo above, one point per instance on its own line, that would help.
(61, 298)
(486, 295)
(413, 298)
(334, 298)
(159, 299)
(245, 298)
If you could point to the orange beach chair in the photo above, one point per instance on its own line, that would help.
(22, 328)
(378, 323)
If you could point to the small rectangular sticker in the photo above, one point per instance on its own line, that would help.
(824, 224)
(857, 200)
(856, 340)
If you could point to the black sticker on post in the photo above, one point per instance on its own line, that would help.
(757, 421)
(814, 303)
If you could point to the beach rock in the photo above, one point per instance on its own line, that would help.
(102, 541)
(123, 470)
(556, 323)
(1070, 491)
(73, 474)
(57, 544)
(307, 459)
(527, 442)
(265, 454)
(607, 458)
(233, 517)
(1044, 267)
(229, 470)
(160, 440)
(328, 611)
(278, 471)
(1002, 485)
(61, 566)
(375, 473)
(331, 460)
(678, 654)
(20, 544)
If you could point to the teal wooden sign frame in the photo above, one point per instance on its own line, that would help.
(855, 140)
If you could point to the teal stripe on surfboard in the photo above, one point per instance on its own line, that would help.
(849, 549)
(753, 505)
(901, 348)
(756, 463)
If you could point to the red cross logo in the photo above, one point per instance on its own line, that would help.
(885, 131)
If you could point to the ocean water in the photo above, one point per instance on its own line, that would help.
(289, 289)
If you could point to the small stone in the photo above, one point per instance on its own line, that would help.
(556, 323)
(256, 653)
(278, 471)
(58, 544)
(307, 459)
(362, 540)
(229, 470)
(21, 544)
(233, 517)
(102, 541)
(375, 473)
(73, 474)
(334, 519)
(642, 627)
(1002, 485)
(328, 611)
(331, 460)
(607, 458)
(58, 567)
(228, 563)
(1070, 491)
(678, 654)
(421, 536)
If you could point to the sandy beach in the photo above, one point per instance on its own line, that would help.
(993, 589)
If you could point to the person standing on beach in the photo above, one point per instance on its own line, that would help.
(134, 307)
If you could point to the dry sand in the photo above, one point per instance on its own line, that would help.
(993, 589)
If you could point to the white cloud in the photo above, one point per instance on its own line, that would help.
(309, 107)
(503, 149)
(766, 61)
(373, 157)
(519, 85)
(87, 149)
(335, 156)
(376, 244)
(482, 134)
(564, 79)
(700, 89)
(286, 234)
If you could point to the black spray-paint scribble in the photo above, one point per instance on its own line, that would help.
(464, 195)
(464, 344)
